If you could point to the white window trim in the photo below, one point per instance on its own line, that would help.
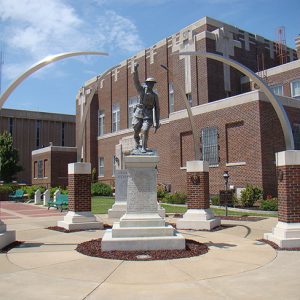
(277, 86)
(234, 164)
(99, 166)
(291, 85)
(116, 111)
(101, 115)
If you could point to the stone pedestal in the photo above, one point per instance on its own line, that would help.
(119, 207)
(79, 188)
(286, 233)
(199, 215)
(37, 197)
(6, 237)
(141, 228)
(46, 197)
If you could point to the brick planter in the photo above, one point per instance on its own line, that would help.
(199, 215)
(286, 234)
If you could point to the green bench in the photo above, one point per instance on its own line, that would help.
(61, 202)
(16, 196)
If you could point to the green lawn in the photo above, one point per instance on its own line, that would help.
(217, 211)
(100, 205)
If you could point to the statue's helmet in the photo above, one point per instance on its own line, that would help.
(150, 79)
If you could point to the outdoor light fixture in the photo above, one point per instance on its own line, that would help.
(226, 176)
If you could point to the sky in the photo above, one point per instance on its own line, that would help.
(33, 29)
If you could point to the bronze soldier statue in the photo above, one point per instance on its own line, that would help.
(142, 119)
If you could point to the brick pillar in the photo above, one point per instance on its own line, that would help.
(79, 189)
(79, 196)
(286, 234)
(199, 215)
(198, 190)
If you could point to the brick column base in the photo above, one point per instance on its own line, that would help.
(79, 189)
(199, 215)
(286, 234)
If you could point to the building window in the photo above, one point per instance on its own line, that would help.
(171, 97)
(277, 90)
(37, 133)
(62, 133)
(189, 98)
(11, 125)
(295, 89)
(115, 117)
(132, 102)
(44, 171)
(40, 169)
(210, 148)
(34, 169)
(101, 116)
(101, 167)
(296, 134)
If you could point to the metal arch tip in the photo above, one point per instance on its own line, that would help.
(40, 64)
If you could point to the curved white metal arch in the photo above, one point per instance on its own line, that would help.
(279, 109)
(42, 63)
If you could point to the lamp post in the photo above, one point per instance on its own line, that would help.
(226, 177)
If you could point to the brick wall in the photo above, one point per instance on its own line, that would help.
(198, 194)
(289, 194)
(248, 133)
(24, 134)
(79, 188)
(55, 168)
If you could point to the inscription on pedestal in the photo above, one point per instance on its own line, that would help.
(121, 177)
(141, 193)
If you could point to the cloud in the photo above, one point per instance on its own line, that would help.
(33, 29)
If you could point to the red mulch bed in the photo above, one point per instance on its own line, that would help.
(61, 229)
(11, 246)
(276, 247)
(93, 248)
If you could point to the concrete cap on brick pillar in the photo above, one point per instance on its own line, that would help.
(79, 168)
(197, 166)
(288, 158)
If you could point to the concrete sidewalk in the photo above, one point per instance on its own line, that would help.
(46, 266)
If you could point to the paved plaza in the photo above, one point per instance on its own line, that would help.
(237, 266)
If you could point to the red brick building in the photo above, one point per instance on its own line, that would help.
(50, 165)
(33, 130)
(239, 131)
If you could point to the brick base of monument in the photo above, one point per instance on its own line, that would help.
(79, 216)
(199, 215)
(286, 234)
(142, 228)
(6, 237)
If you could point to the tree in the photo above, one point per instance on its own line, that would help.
(9, 158)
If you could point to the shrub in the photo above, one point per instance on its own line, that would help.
(101, 189)
(161, 191)
(8, 188)
(250, 195)
(269, 204)
(215, 200)
(176, 198)
(31, 189)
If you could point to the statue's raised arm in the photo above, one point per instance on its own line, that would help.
(142, 119)
(136, 79)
